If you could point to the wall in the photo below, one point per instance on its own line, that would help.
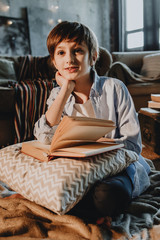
(43, 16)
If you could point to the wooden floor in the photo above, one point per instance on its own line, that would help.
(148, 153)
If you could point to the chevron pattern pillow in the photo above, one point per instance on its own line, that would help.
(59, 184)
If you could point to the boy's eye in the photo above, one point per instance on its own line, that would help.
(78, 50)
(60, 52)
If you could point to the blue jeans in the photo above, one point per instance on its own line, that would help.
(108, 197)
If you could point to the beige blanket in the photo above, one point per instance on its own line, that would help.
(26, 220)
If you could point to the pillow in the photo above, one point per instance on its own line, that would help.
(151, 66)
(61, 183)
(7, 69)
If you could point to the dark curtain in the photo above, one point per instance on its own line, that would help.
(151, 24)
(118, 22)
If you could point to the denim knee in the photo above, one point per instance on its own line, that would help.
(112, 196)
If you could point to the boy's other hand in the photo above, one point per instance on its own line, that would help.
(61, 81)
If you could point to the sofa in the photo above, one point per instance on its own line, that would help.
(25, 84)
(140, 71)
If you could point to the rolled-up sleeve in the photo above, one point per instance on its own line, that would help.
(43, 132)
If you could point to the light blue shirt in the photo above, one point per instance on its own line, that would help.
(110, 100)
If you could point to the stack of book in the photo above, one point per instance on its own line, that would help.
(155, 101)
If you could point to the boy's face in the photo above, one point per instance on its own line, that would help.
(72, 60)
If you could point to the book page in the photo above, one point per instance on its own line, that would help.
(80, 128)
(82, 134)
(68, 122)
(87, 150)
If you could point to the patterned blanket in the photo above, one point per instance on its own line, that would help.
(31, 221)
(35, 79)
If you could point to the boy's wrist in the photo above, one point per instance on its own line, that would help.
(68, 87)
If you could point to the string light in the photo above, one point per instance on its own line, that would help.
(55, 8)
(4, 8)
(9, 22)
(51, 22)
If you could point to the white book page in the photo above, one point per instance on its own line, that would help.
(80, 134)
(86, 132)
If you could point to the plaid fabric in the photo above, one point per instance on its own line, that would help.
(32, 91)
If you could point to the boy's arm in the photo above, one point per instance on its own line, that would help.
(43, 129)
(54, 113)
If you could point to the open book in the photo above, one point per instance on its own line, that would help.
(74, 137)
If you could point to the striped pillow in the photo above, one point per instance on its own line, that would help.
(59, 184)
(151, 66)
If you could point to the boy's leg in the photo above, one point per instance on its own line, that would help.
(112, 195)
(108, 197)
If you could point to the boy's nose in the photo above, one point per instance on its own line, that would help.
(70, 58)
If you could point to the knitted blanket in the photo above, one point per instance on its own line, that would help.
(121, 71)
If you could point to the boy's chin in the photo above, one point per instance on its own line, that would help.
(71, 79)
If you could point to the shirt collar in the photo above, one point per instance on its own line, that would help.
(96, 88)
(97, 85)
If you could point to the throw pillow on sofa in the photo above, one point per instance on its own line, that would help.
(151, 66)
(7, 71)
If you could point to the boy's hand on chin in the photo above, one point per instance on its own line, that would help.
(63, 81)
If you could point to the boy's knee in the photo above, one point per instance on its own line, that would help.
(111, 197)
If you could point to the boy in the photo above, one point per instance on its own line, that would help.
(73, 48)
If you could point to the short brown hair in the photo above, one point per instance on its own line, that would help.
(73, 31)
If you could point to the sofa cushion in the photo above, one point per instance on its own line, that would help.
(7, 70)
(151, 66)
(61, 183)
(142, 89)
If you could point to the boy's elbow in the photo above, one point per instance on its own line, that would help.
(43, 139)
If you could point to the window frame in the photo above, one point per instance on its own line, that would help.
(128, 32)
(151, 27)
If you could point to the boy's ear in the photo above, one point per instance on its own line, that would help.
(54, 63)
(94, 59)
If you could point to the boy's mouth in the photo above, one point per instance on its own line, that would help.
(72, 69)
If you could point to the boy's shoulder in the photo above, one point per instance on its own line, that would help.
(109, 81)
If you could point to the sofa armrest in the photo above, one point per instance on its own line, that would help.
(7, 82)
(7, 96)
(7, 108)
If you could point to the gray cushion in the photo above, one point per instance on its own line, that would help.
(7, 70)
